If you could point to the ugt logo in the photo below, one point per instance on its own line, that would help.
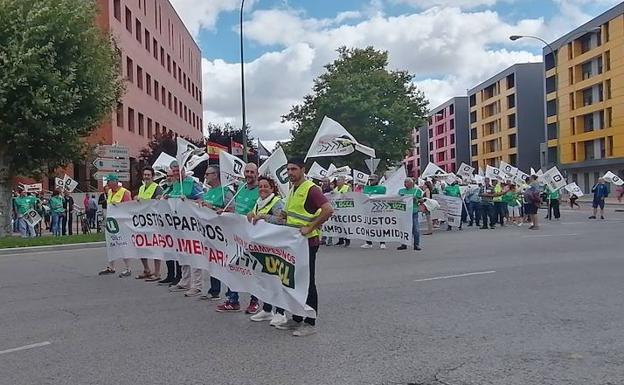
(112, 226)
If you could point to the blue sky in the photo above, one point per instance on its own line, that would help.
(449, 45)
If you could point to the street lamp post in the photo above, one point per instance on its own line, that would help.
(552, 50)
(242, 59)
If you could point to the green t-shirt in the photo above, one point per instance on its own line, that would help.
(178, 190)
(511, 198)
(452, 191)
(25, 204)
(218, 196)
(374, 190)
(415, 192)
(553, 194)
(56, 205)
(246, 199)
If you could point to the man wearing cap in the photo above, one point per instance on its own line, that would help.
(341, 188)
(116, 194)
(306, 208)
(149, 190)
(374, 188)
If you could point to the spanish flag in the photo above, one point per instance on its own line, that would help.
(213, 149)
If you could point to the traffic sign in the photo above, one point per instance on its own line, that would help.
(123, 176)
(111, 151)
(372, 164)
(107, 164)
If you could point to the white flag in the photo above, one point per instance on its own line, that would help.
(432, 170)
(196, 160)
(317, 172)
(554, 179)
(275, 167)
(360, 178)
(493, 173)
(573, 188)
(507, 168)
(186, 150)
(332, 139)
(533, 171)
(465, 171)
(396, 181)
(344, 171)
(163, 162)
(69, 184)
(30, 188)
(231, 168)
(520, 178)
(59, 184)
(612, 178)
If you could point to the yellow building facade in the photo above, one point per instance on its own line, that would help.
(585, 99)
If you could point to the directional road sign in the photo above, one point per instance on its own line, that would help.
(110, 151)
(108, 164)
(123, 176)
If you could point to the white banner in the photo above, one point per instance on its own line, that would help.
(520, 178)
(59, 184)
(317, 172)
(268, 261)
(452, 208)
(31, 188)
(493, 173)
(554, 179)
(332, 139)
(185, 150)
(612, 178)
(231, 168)
(432, 170)
(69, 184)
(386, 218)
(163, 162)
(275, 167)
(508, 169)
(573, 188)
(196, 160)
(344, 171)
(465, 171)
(360, 177)
(396, 181)
(32, 217)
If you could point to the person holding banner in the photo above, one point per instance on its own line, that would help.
(341, 188)
(417, 194)
(57, 212)
(601, 191)
(149, 190)
(215, 198)
(306, 208)
(486, 192)
(23, 204)
(374, 188)
(553, 203)
(453, 190)
(244, 201)
(116, 194)
(268, 208)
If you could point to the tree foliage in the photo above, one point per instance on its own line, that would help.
(59, 78)
(379, 107)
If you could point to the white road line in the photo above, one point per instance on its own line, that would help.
(549, 235)
(455, 276)
(26, 347)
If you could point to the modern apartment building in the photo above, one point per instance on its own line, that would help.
(507, 117)
(449, 134)
(585, 99)
(412, 160)
(161, 64)
(423, 147)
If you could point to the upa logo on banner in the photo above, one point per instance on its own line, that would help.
(112, 226)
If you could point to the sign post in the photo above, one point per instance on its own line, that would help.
(112, 159)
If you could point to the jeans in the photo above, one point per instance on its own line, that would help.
(215, 286)
(312, 299)
(474, 212)
(91, 217)
(57, 218)
(499, 208)
(232, 297)
(487, 212)
(24, 228)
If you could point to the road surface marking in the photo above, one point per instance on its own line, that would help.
(549, 235)
(26, 347)
(455, 276)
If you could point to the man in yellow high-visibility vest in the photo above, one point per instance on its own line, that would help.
(149, 190)
(116, 194)
(306, 208)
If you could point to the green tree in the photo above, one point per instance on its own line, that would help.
(59, 78)
(377, 106)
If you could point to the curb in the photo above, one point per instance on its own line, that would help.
(52, 248)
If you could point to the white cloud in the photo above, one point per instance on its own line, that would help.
(203, 14)
(449, 49)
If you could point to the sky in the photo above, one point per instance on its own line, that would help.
(448, 45)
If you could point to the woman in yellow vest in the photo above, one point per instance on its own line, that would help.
(268, 208)
(116, 194)
(149, 190)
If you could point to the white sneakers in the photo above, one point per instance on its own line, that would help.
(278, 319)
(382, 246)
(367, 246)
(262, 316)
(192, 292)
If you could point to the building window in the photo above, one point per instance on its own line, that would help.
(587, 97)
(157, 128)
(175, 70)
(117, 9)
(473, 133)
(511, 81)
(607, 60)
(156, 90)
(180, 109)
(473, 116)
(588, 122)
(140, 77)
(175, 105)
(551, 108)
(119, 115)
(474, 149)
(586, 70)
(149, 128)
(148, 83)
(550, 84)
(430, 146)
(552, 131)
(572, 101)
(162, 95)
(609, 146)
(129, 69)
(512, 141)
(162, 57)
(573, 148)
(179, 75)
(453, 139)
(138, 31)
(607, 89)
(169, 100)
(452, 156)
(473, 100)
(128, 20)
(155, 48)
(603, 150)
(168, 63)
(130, 119)
(511, 101)
(571, 75)
(141, 125)
(549, 60)
(609, 117)
(148, 39)
(511, 121)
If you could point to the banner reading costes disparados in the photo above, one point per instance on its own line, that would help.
(268, 261)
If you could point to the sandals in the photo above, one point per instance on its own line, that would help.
(107, 271)
(145, 275)
(153, 278)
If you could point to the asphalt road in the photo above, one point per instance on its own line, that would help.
(546, 307)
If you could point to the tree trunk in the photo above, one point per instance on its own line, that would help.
(6, 209)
